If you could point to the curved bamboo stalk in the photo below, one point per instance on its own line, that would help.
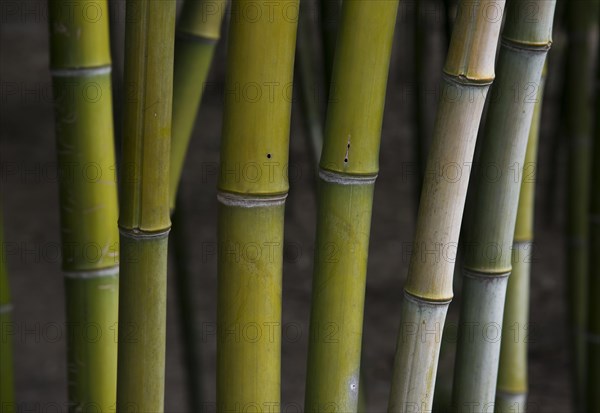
(348, 169)
(198, 32)
(490, 230)
(593, 336)
(7, 389)
(511, 391)
(81, 69)
(252, 189)
(582, 24)
(468, 72)
(144, 214)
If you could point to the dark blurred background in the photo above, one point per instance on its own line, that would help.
(29, 191)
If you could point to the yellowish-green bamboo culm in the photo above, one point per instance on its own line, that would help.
(348, 169)
(468, 73)
(198, 31)
(252, 189)
(7, 389)
(593, 335)
(511, 390)
(144, 210)
(81, 76)
(491, 224)
(582, 26)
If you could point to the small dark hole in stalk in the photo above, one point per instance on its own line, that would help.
(269, 155)
(346, 160)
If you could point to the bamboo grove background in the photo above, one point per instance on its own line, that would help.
(30, 202)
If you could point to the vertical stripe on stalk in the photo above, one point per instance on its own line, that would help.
(252, 188)
(491, 225)
(7, 390)
(348, 169)
(81, 66)
(468, 72)
(144, 214)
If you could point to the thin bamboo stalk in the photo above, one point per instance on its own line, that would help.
(252, 189)
(7, 389)
(348, 169)
(330, 20)
(582, 25)
(511, 390)
(144, 213)
(593, 336)
(468, 73)
(81, 69)
(491, 226)
(198, 32)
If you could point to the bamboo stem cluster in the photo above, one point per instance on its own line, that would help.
(468, 73)
(144, 213)
(81, 67)
(348, 169)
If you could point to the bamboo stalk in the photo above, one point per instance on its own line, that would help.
(593, 336)
(81, 66)
(511, 390)
(198, 32)
(490, 230)
(252, 189)
(7, 389)
(330, 20)
(144, 214)
(468, 72)
(582, 24)
(348, 169)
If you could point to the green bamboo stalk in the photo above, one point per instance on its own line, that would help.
(7, 389)
(252, 189)
(468, 73)
(511, 390)
(198, 32)
(81, 66)
(330, 19)
(348, 169)
(491, 225)
(593, 336)
(582, 25)
(144, 210)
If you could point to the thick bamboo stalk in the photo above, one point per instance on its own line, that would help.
(252, 189)
(511, 390)
(468, 72)
(348, 169)
(81, 66)
(593, 336)
(491, 225)
(144, 214)
(7, 389)
(198, 32)
(582, 25)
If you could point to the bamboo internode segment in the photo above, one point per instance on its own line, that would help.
(7, 390)
(252, 187)
(147, 112)
(197, 34)
(258, 97)
(468, 72)
(144, 216)
(511, 390)
(348, 169)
